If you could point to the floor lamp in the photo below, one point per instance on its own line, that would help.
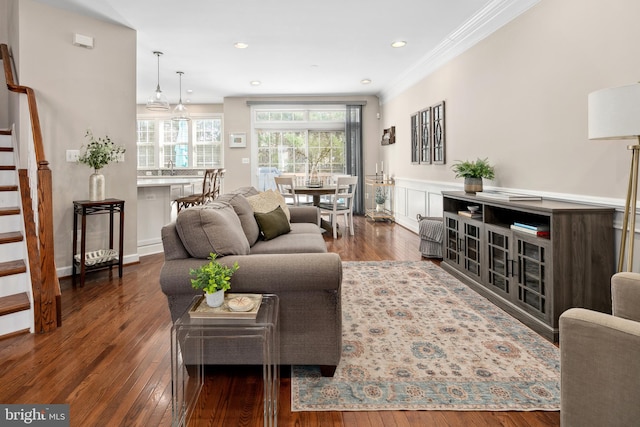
(615, 114)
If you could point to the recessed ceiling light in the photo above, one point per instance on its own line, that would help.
(240, 45)
(399, 43)
(255, 83)
(365, 81)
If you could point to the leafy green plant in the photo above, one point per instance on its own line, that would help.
(99, 152)
(477, 169)
(213, 276)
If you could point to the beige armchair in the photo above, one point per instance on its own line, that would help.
(600, 360)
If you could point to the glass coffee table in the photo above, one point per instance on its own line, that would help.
(191, 337)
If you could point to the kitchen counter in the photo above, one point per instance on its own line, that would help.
(156, 208)
(165, 181)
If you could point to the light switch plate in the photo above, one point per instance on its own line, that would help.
(72, 155)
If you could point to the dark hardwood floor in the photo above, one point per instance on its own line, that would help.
(111, 361)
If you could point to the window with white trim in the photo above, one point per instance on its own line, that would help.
(193, 144)
(296, 140)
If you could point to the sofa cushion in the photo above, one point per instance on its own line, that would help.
(267, 201)
(244, 211)
(246, 191)
(213, 227)
(291, 243)
(273, 224)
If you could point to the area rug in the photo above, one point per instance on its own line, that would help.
(416, 338)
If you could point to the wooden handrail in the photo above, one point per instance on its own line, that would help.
(46, 289)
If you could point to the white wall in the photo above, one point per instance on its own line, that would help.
(4, 38)
(78, 89)
(519, 97)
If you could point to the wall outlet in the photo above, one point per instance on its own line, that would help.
(73, 155)
(200, 173)
(245, 160)
(148, 173)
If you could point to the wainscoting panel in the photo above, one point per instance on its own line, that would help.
(415, 197)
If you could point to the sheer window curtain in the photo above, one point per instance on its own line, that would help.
(353, 133)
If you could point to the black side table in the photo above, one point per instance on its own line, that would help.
(84, 208)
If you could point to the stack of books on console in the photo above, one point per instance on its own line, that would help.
(470, 214)
(540, 230)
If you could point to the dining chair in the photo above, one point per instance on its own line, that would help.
(210, 190)
(286, 185)
(341, 203)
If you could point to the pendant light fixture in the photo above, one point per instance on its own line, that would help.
(158, 101)
(180, 113)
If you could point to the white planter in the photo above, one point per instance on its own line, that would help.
(215, 299)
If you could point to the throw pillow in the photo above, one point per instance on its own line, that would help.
(213, 227)
(245, 213)
(267, 201)
(273, 224)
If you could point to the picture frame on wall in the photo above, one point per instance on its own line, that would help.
(237, 140)
(428, 136)
(438, 133)
(389, 136)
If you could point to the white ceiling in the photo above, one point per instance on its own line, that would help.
(296, 47)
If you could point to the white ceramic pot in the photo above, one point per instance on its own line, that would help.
(215, 299)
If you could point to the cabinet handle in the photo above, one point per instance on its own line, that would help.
(511, 271)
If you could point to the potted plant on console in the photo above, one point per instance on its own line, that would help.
(473, 172)
(214, 279)
(98, 153)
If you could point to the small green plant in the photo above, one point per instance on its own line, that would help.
(381, 197)
(213, 276)
(99, 152)
(478, 169)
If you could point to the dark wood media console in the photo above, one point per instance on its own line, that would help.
(535, 279)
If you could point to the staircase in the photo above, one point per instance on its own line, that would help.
(16, 308)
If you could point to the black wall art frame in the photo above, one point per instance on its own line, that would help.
(428, 136)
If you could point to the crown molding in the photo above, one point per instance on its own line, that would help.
(489, 19)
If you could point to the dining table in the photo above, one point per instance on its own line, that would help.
(316, 192)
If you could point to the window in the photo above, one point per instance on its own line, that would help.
(146, 143)
(296, 140)
(193, 144)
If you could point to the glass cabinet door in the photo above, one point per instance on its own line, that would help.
(471, 249)
(452, 239)
(499, 265)
(532, 292)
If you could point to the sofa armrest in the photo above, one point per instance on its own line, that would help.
(625, 295)
(310, 214)
(600, 369)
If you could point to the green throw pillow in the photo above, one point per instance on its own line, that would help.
(273, 224)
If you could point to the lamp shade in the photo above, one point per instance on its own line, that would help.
(614, 113)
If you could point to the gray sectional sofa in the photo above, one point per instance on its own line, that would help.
(295, 265)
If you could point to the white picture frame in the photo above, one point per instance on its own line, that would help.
(237, 140)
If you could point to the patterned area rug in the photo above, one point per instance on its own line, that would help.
(416, 338)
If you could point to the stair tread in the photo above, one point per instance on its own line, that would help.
(11, 237)
(12, 267)
(6, 149)
(14, 303)
(10, 211)
(8, 187)
(7, 168)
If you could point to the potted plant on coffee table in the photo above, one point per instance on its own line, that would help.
(473, 172)
(214, 279)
